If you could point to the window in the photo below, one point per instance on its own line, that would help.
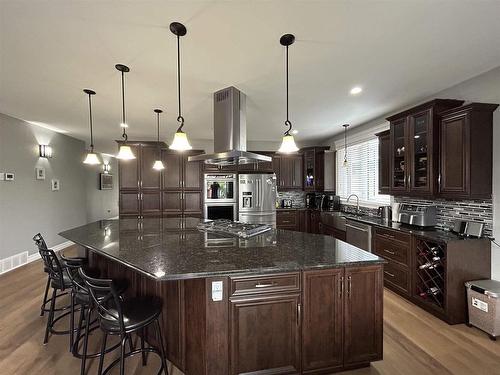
(360, 176)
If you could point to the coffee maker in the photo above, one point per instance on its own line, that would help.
(330, 202)
(311, 200)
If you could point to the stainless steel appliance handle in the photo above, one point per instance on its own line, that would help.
(357, 228)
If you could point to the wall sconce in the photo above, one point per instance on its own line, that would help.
(45, 151)
(106, 168)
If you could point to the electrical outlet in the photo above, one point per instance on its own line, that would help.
(217, 291)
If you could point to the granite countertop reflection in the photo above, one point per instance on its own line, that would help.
(173, 248)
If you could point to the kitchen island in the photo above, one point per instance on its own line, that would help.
(281, 302)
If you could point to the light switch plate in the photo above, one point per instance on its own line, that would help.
(9, 176)
(217, 291)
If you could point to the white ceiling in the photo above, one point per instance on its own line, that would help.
(398, 51)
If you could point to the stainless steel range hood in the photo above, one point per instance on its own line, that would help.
(230, 131)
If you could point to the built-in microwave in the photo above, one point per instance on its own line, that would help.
(220, 187)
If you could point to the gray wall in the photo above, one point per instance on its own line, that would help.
(29, 205)
(483, 88)
(101, 204)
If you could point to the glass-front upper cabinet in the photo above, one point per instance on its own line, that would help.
(309, 171)
(420, 139)
(399, 151)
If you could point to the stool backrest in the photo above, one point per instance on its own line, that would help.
(105, 298)
(52, 264)
(72, 267)
(39, 241)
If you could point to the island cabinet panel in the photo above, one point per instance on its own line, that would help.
(265, 334)
(363, 315)
(322, 323)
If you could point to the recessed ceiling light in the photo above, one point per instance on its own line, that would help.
(295, 131)
(356, 90)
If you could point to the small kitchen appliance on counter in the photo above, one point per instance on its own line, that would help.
(483, 300)
(468, 228)
(311, 200)
(421, 216)
(385, 213)
(330, 202)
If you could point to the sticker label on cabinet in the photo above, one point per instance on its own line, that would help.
(477, 303)
(217, 291)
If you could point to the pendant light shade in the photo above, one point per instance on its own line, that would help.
(125, 152)
(345, 163)
(180, 142)
(288, 143)
(158, 164)
(91, 157)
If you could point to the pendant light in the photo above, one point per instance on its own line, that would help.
(125, 152)
(288, 144)
(345, 145)
(180, 142)
(158, 164)
(91, 157)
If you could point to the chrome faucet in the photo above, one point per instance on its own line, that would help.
(357, 202)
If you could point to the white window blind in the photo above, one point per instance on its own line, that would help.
(360, 176)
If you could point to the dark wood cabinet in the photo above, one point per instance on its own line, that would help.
(323, 323)
(329, 230)
(414, 146)
(265, 334)
(384, 167)
(144, 191)
(313, 221)
(288, 219)
(289, 175)
(363, 315)
(340, 306)
(314, 168)
(466, 160)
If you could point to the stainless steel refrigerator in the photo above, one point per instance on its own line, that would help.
(257, 198)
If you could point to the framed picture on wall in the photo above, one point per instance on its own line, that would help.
(106, 181)
(40, 173)
(55, 184)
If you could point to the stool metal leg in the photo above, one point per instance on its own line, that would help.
(42, 308)
(162, 347)
(103, 350)
(51, 316)
(122, 355)
(144, 357)
(72, 321)
(87, 312)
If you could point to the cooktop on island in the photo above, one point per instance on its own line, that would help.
(235, 228)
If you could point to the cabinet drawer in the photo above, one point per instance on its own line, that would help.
(392, 235)
(397, 276)
(392, 250)
(245, 285)
(286, 218)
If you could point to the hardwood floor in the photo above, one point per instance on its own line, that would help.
(415, 342)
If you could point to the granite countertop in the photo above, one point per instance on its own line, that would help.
(173, 248)
(432, 234)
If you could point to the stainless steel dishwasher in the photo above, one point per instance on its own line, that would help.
(359, 234)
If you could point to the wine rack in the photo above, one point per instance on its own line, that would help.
(430, 272)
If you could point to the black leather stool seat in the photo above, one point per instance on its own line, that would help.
(66, 282)
(137, 312)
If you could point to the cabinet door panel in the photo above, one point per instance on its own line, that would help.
(129, 203)
(322, 325)
(129, 171)
(192, 202)
(150, 178)
(172, 174)
(384, 171)
(172, 202)
(297, 172)
(192, 175)
(151, 203)
(420, 152)
(399, 160)
(277, 170)
(363, 314)
(265, 334)
(454, 145)
(309, 172)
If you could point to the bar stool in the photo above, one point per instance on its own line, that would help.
(59, 281)
(40, 243)
(123, 317)
(81, 300)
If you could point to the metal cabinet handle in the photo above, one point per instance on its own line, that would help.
(349, 290)
(341, 288)
(389, 252)
(389, 274)
(299, 308)
(387, 236)
(259, 285)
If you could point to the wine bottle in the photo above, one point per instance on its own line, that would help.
(433, 291)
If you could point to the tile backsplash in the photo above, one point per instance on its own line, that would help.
(447, 211)
(298, 197)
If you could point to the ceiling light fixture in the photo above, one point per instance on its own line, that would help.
(158, 164)
(356, 90)
(345, 145)
(91, 157)
(180, 142)
(288, 144)
(125, 152)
